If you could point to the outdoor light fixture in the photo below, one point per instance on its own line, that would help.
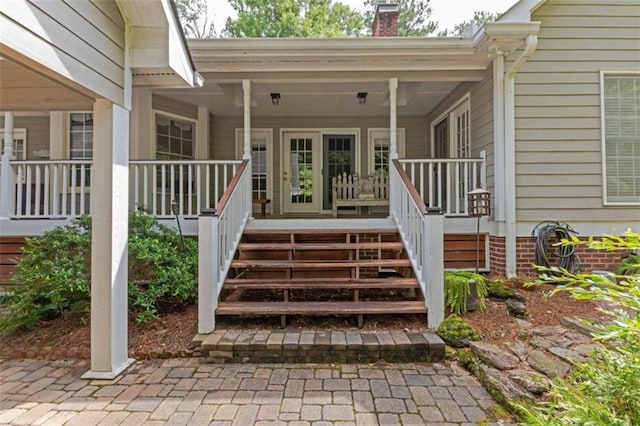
(362, 97)
(275, 98)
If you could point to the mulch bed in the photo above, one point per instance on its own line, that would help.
(170, 336)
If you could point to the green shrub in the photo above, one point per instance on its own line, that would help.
(607, 390)
(457, 290)
(457, 332)
(54, 274)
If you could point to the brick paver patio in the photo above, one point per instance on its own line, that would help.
(189, 392)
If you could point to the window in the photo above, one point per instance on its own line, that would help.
(19, 143)
(81, 136)
(260, 160)
(451, 131)
(621, 137)
(259, 170)
(379, 149)
(80, 146)
(174, 138)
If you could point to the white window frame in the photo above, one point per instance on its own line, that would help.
(374, 132)
(18, 133)
(169, 115)
(605, 196)
(267, 135)
(463, 102)
(76, 188)
(68, 134)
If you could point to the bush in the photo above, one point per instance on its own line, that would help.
(607, 390)
(457, 290)
(457, 332)
(54, 274)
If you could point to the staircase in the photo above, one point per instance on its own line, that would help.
(320, 272)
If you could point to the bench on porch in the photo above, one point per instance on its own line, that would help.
(355, 191)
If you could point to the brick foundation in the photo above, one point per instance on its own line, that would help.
(590, 259)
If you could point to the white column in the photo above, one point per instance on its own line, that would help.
(109, 202)
(246, 90)
(433, 268)
(393, 118)
(202, 134)
(8, 134)
(7, 179)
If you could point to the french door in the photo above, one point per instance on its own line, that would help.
(301, 173)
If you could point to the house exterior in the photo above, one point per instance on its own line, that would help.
(541, 109)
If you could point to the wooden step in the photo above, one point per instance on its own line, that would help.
(321, 283)
(319, 308)
(304, 264)
(396, 245)
(363, 231)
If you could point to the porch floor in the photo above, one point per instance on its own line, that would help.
(311, 346)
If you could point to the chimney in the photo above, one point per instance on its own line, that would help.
(385, 22)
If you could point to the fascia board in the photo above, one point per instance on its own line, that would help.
(331, 47)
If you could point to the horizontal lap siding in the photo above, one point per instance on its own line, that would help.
(558, 142)
(81, 40)
(37, 133)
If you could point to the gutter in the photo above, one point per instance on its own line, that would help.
(510, 154)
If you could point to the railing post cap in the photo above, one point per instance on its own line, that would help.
(209, 212)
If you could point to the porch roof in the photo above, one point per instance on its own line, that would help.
(320, 77)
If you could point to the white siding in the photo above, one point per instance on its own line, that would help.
(558, 139)
(82, 41)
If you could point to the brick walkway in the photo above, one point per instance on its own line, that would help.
(187, 391)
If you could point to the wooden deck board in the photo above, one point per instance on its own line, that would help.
(320, 308)
(319, 283)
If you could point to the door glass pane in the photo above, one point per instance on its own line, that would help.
(301, 182)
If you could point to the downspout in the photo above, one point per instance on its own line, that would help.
(510, 154)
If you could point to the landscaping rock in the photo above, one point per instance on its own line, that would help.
(577, 338)
(548, 331)
(498, 290)
(516, 308)
(547, 365)
(532, 381)
(519, 349)
(523, 323)
(539, 342)
(577, 325)
(500, 382)
(568, 355)
(457, 332)
(492, 354)
(587, 349)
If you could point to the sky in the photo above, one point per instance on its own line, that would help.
(447, 12)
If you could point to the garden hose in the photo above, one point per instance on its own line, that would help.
(549, 252)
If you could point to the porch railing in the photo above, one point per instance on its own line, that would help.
(189, 186)
(219, 232)
(62, 188)
(444, 183)
(423, 236)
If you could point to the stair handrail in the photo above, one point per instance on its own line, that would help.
(219, 233)
(422, 232)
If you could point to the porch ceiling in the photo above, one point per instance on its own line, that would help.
(23, 89)
(315, 98)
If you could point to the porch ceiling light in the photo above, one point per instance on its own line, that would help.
(362, 97)
(275, 98)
